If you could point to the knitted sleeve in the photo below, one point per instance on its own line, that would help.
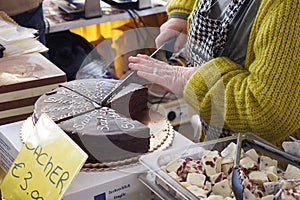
(264, 96)
(180, 8)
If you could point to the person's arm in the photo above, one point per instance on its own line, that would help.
(180, 8)
(264, 96)
(177, 24)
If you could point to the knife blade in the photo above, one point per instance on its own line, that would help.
(132, 76)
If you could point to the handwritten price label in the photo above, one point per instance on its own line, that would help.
(34, 194)
(45, 166)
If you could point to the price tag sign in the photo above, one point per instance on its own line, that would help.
(45, 166)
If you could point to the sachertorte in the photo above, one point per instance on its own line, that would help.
(107, 133)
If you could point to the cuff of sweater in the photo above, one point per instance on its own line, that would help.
(222, 65)
(178, 15)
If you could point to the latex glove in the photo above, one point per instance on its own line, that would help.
(173, 27)
(172, 78)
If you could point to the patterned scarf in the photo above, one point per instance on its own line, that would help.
(207, 36)
(206, 40)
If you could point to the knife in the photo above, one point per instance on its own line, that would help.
(132, 77)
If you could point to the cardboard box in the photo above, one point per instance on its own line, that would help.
(114, 184)
(22, 80)
(10, 144)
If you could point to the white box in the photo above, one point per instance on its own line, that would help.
(10, 144)
(115, 184)
(119, 184)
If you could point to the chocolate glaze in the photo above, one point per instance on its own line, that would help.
(106, 134)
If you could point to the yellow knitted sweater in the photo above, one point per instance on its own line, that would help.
(263, 96)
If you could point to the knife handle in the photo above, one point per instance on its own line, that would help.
(169, 46)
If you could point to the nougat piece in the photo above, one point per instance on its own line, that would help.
(193, 166)
(292, 172)
(258, 177)
(272, 169)
(198, 192)
(174, 165)
(229, 151)
(248, 184)
(271, 187)
(217, 177)
(248, 163)
(272, 177)
(251, 153)
(247, 195)
(285, 194)
(215, 197)
(207, 187)
(290, 184)
(212, 164)
(227, 168)
(184, 184)
(222, 188)
(265, 161)
(196, 179)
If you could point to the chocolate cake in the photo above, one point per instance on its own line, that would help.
(106, 133)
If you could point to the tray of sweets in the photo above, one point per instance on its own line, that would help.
(204, 170)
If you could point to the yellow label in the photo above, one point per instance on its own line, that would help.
(45, 166)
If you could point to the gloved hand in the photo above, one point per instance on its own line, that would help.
(174, 27)
(172, 78)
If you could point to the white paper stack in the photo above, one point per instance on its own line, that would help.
(18, 40)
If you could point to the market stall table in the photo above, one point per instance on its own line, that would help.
(57, 21)
(114, 184)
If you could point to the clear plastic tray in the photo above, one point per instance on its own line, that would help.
(154, 162)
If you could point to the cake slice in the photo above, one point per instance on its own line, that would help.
(93, 89)
(130, 101)
(108, 136)
(61, 104)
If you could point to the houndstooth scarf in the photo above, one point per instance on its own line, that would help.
(206, 40)
(207, 36)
